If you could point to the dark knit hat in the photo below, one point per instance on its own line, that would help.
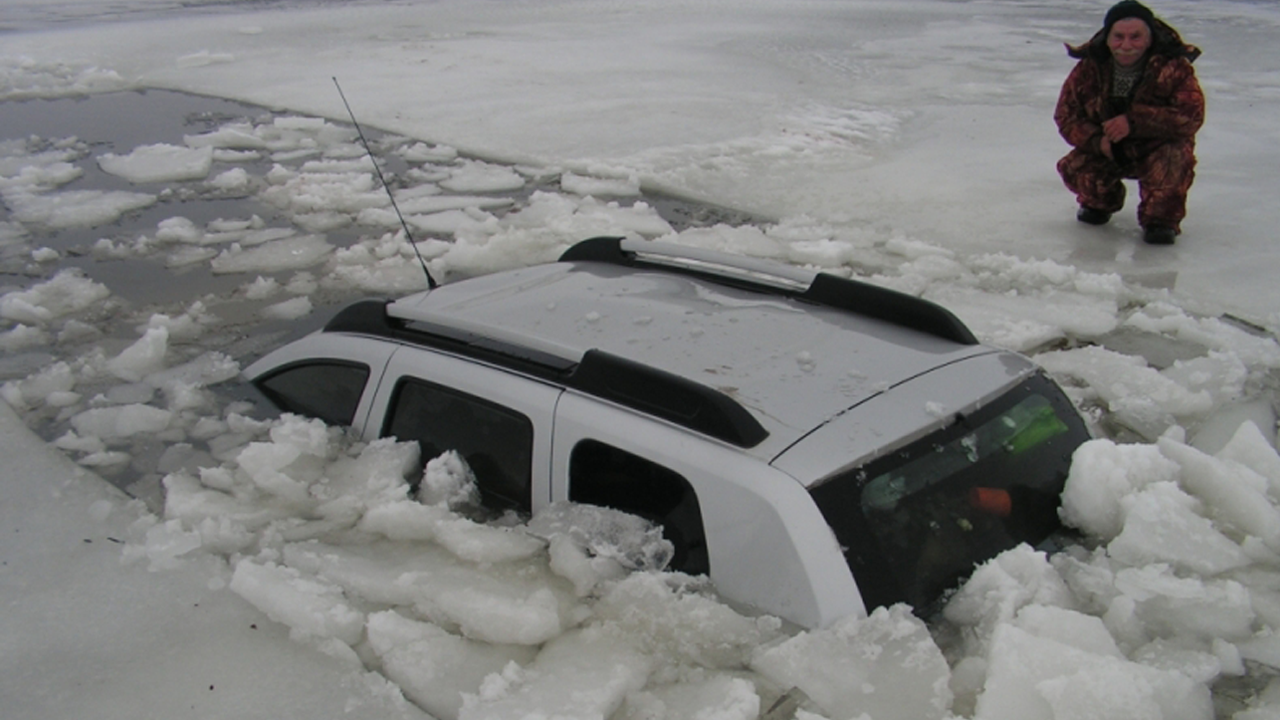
(1128, 9)
(1164, 39)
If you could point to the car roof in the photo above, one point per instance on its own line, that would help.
(790, 362)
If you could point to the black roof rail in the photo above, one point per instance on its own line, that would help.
(845, 294)
(604, 248)
(370, 317)
(659, 393)
(628, 383)
(363, 316)
(889, 305)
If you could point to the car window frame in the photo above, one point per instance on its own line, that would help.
(530, 397)
(273, 396)
(511, 420)
(753, 515)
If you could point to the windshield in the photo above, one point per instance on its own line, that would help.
(914, 523)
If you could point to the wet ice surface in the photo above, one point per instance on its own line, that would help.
(210, 219)
(28, 15)
(75, 132)
(143, 268)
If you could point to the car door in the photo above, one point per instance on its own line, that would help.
(767, 544)
(499, 422)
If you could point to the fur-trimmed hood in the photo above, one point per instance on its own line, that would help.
(1164, 41)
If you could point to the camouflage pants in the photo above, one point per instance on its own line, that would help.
(1164, 176)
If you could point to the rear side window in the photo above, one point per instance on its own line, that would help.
(328, 390)
(604, 475)
(496, 442)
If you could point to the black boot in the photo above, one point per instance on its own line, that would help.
(1158, 235)
(1092, 216)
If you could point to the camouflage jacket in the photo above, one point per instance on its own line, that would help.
(1166, 103)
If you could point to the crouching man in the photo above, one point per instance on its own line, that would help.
(1130, 109)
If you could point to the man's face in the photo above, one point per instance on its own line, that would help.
(1129, 40)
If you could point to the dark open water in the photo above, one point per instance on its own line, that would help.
(119, 122)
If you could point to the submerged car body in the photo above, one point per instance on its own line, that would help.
(817, 445)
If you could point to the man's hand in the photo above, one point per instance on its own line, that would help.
(1116, 129)
(1105, 146)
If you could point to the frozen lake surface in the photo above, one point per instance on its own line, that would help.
(907, 143)
(148, 274)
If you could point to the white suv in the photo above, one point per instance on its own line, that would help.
(817, 445)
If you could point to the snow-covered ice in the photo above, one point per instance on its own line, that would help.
(282, 568)
(159, 163)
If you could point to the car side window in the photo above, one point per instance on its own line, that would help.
(601, 474)
(496, 442)
(328, 390)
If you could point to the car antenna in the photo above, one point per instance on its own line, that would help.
(431, 282)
